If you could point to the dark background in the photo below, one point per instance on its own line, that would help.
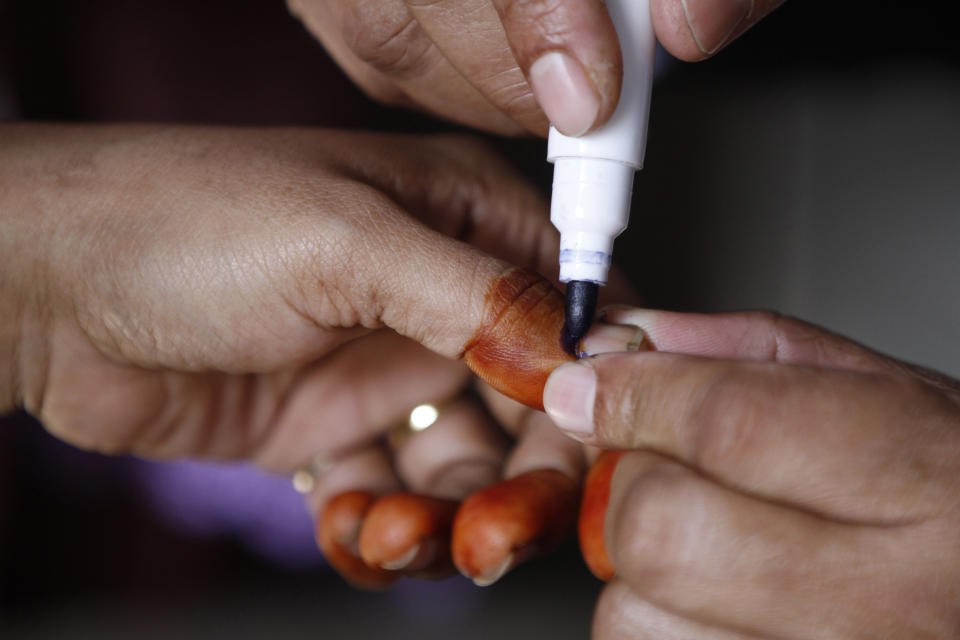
(812, 168)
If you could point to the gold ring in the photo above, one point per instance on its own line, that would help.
(421, 417)
(304, 480)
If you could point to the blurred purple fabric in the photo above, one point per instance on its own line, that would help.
(212, 499)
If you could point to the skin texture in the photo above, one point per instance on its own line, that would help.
(273, 245)
(514, 351)
(519, 342)
(535, 505)
(470, 60)
(780, 481)
(283, 296)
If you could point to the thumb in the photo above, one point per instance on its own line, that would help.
(569, 51)
(504, 321)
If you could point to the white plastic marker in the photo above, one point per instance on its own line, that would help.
(593, 174)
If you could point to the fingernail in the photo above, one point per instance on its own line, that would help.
(611, 338)
(712, 23)
(565, 93)
(489, 578)
(568, 397)
(403, 561)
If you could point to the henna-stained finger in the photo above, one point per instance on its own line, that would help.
(460, 452)
(337, 534)
(593, 513)
(529, 512)
(409, 533)
(518, 344)
(500, 526)
(343, 493)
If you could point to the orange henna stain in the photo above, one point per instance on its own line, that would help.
(593, 513)
(337, 533)
(509, 521)
(520, 340)
(395, 524)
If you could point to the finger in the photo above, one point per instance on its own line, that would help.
(570, 52)
(337, 534)
(843, 443)
(409, 533)
(502, 525)
(760, 336)
(352, 396)
(456, 300)
(472, 195)
(707, 553)
(696, 29)
(459, 454)
(530, 512)
(462, 452)
(342, 495)
(469, 193)
(622, 615)
(386, 52)
(319, 19)
(471, 37)
(593, 513)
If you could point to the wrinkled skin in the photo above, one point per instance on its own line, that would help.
(777, 481)
(247, 293)
(470, 60)
(281, 296)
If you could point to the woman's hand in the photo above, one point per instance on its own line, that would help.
(508, 66)
(174, 291)
(778, 481)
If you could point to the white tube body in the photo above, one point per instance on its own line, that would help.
(593, 174)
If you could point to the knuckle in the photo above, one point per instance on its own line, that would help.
(655, 536)
(386, 37)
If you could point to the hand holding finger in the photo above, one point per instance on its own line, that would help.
(785, 432)
(803, 486)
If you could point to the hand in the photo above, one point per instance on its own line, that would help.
(372, 535)
(476, 61)
(456, 496)
(176, 291)
(778, 481)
